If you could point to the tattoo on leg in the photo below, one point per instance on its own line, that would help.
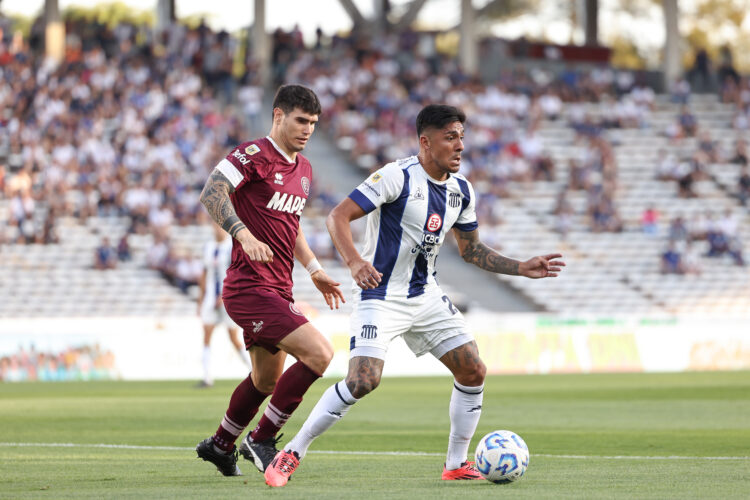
(465, 364)
(466, 356)
(364, 375)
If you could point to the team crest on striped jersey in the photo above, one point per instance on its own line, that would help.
(434, 223)
(306, 186)
(454, 200)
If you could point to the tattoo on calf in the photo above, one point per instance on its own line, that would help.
(364, 376)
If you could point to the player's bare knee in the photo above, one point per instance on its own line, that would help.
(266, 388)
(360, 386)
(481, 371)
(265, 384)
(472, 376)
(320, 357)
(328, 352)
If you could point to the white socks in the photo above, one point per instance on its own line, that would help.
(332, 406)
(465, 409)
(207, 365)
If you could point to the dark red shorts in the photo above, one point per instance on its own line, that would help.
(265, 317)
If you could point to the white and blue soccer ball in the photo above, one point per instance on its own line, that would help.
(502, 457)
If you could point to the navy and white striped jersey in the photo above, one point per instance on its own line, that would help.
(217, 256)
(409, 215)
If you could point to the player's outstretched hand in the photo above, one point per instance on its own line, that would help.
(544, 266)
(257, 250)
(365, 275)
(329, 288)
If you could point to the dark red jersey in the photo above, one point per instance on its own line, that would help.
(270, 193)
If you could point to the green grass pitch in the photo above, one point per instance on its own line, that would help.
(590, 436)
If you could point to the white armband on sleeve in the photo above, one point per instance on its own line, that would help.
(230, 172)
(313, 266)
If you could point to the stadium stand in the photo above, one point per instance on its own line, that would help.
(112, 144)
(619, 272)
(613, 263)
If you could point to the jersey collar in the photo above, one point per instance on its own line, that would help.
(286, 156)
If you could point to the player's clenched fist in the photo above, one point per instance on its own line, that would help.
(257, 250)
(365, 274)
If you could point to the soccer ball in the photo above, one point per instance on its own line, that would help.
(502, 457)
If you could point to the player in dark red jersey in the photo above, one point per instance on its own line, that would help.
(257, 194)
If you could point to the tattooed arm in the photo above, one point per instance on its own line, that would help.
(215, 197)
(475, 252)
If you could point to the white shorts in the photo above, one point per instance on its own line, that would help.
(429, 323)
(211, 315)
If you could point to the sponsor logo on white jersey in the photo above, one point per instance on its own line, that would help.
(372, 188)
(428, 244)
(434, 223)
(285, 202)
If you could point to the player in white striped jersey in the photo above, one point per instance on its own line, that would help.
(410, 215)
(217, 256)
(412, 203)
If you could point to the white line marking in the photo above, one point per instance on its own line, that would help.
(95, 445)
(634, 457)
(378, 453)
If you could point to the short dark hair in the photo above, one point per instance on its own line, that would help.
(289, 97)
(438, 116)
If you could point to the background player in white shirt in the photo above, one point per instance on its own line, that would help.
(412, 203)
(217, 255)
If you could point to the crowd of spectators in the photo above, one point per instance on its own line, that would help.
(371, 90)
(132, 121)
(129, 125)
(84, 362)
(687, 171)
(708, 235)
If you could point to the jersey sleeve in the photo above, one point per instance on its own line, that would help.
(241, 164)
(467, 219)
(383, 186)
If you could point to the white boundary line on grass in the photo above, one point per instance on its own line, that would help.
(378, 453)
